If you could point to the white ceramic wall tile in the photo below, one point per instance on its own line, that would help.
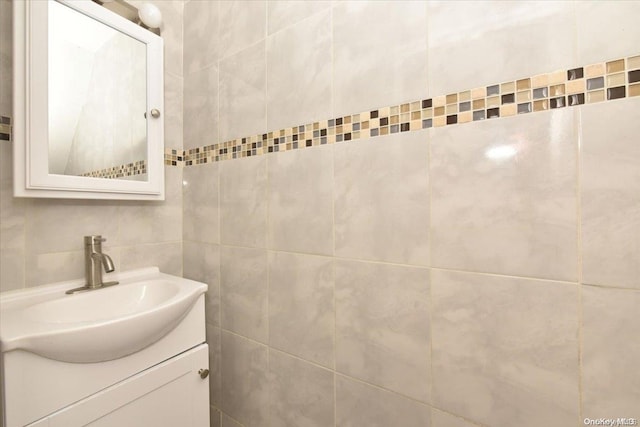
(12, 209)
(215, 355)
(245, 388)
(145, 222)
(6, 164)
(475, 43)
(12, 264)
(610, 194)
(301, 309)
(173, 106)
(380, 54)
(54, 225)
(359, 404)
(282, 13)
(301, 394)
(619, 33)
(201, 262)
(382, 326)
(241, 24)
(6, 52)
(505, 350)
(299, 73)
(55, 267)
(201, 38)
(610, 353)
(166, 256)
(301, 201)
(382, 199)
(243, 202)
(243, 93)
(442, 419)
(12, 218)
(201, 207)
(504, 197)
(243, 291)
(201, 107)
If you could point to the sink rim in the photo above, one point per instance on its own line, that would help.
(93, 295)
(53, 340)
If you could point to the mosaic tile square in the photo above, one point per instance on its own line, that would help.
(616, 79)
(541, 92)
(576, 73)
(523, 84)
(594, 70)
(595, 83)
(524, 108)
(576, 86)
(616, 92)
(478, 104)
(508, 87)
(595, 96)
(633, 62)
(524, 95)
(615, 66)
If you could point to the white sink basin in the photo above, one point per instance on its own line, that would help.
(99, 325)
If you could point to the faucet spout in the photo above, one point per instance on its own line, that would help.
(105, 260)
(93, 258)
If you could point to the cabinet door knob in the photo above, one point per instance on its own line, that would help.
(155, 113)
(204, 373)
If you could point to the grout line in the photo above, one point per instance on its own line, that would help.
(453, 414)
(617, 288)
(267, 255)
(219, 264)
(578, 128)
(380, 388)
(431, 304)
(455, 270)
(333, 212)
(300, 359)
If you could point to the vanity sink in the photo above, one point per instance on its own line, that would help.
(97, 325)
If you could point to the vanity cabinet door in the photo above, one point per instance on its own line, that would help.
(167, 395)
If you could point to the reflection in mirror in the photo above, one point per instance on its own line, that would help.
(97, 99)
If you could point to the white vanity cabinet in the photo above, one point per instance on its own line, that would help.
(131, 355)
(167, 395)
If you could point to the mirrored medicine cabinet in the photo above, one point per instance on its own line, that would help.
(88, 103)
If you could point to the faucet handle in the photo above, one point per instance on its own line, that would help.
(91, 240)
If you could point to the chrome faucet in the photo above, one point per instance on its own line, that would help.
(94, 259)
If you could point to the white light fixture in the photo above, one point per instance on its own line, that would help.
(150, 15)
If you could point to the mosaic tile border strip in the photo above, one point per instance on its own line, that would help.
(5, 128)
(129, 169)
(605, 81)
(173, 157)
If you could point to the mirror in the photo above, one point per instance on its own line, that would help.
(88, 103)
(97, 98)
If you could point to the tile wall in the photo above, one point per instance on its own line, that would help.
(476, 274)
(482, 274)
(41, 239)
